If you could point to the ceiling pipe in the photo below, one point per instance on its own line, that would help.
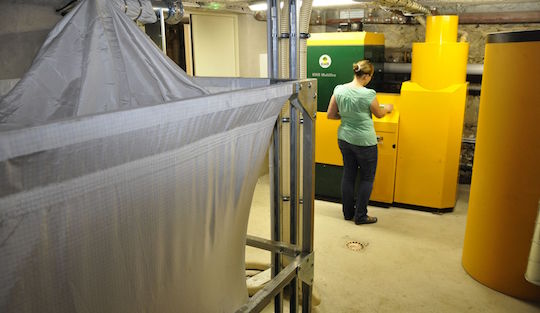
(500, 17)
(405, 68)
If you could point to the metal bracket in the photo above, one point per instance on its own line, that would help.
(306, 91)
(306, 269)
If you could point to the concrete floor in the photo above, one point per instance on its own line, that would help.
(412, 262)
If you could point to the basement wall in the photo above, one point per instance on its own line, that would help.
(23, 28)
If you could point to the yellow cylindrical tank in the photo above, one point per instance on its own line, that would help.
(436, 66)
(505, 186)
(440, 61)
(441, 28)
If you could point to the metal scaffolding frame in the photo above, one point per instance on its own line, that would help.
(298, 249)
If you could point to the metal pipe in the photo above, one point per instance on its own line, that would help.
(405, 68)
(276, 204)
(293, 40)
(273, 246)
(272, 39)
(162, 24)
(294, 190)
(500, 17)
(269, 40)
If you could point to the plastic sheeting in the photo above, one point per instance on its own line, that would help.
(139, 210)
(95, 60)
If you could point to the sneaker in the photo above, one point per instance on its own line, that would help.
(365, 220)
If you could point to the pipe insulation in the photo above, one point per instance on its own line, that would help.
(409, 6)
(305, 15)
(283, 46)
(532, 274)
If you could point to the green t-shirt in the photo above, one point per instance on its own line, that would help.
(354, 108)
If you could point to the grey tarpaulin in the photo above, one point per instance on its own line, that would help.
(142, 209)
(95, 60)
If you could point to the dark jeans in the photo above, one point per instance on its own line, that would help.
(357, 158)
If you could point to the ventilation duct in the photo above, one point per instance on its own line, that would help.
(175, 12)
(405, 6)
(138, 10)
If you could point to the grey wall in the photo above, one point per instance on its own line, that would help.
(23, 28)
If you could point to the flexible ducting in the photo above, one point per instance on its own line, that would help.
(283, 44)
(175, 12)
(118, 69)
(137, 10)
(305, 16)
(409, 6)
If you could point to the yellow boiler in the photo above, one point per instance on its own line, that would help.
(505, 186)
(432, 107)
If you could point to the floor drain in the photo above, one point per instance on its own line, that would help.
(356, 246)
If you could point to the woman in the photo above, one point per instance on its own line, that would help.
(353, 103)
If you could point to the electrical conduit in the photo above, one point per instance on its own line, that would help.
(283, 46)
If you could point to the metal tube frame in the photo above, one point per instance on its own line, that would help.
(293, 40)
(272, 39)
(303, 106)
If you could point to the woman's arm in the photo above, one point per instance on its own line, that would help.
(332, 113)
(380, 110)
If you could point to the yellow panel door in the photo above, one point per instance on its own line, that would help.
(383, 186)
(215, 45)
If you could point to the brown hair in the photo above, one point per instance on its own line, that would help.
(363, 67)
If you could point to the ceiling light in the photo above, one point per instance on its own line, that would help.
(258, 6)
(328, 3)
